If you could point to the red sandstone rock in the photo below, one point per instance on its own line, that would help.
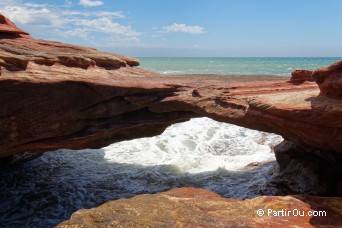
(189, 207)
(329, 80)
(57, 95)
(300, 76)
(7, 26)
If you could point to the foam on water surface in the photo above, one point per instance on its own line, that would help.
(199, 153)
(198, 145)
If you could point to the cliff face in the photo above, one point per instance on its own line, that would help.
(56, 95)
(329, 80)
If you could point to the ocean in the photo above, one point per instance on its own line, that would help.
(242, 66)
(200, 153)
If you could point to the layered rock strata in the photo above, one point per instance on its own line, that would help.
(8, 27)
(329, 80)
(56, 95)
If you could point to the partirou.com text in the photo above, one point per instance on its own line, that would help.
(288, 213)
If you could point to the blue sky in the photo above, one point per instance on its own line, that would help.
(232, 28)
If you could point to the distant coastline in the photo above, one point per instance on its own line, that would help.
(233, 65)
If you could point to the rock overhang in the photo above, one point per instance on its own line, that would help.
(60, 81)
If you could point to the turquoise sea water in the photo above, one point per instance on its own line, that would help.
(274, 66)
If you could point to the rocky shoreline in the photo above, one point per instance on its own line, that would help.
(57, 95)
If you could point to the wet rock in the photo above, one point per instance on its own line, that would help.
(299, 172)
(254, 164)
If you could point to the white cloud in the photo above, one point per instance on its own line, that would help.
(69, 13)
(106, 25)
(120, 42)
(60, 21)
(108, 14)
(89, 3)
(27, 14)
(184, 28)
(70, 20)
(77, 32)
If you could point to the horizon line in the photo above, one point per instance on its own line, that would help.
(237, 57)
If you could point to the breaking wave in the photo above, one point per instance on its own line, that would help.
(199, 153)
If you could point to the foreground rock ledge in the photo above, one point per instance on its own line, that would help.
(190, 207)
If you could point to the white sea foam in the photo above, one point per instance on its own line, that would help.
(171, 72)
(198, 145)
(199, 153)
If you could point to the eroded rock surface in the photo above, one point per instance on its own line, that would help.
(300, 76)
(189, 207)
(57, 95)
(8, 27)
(329, 80)
(304, 173)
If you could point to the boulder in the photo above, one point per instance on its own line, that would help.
(300, 76)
